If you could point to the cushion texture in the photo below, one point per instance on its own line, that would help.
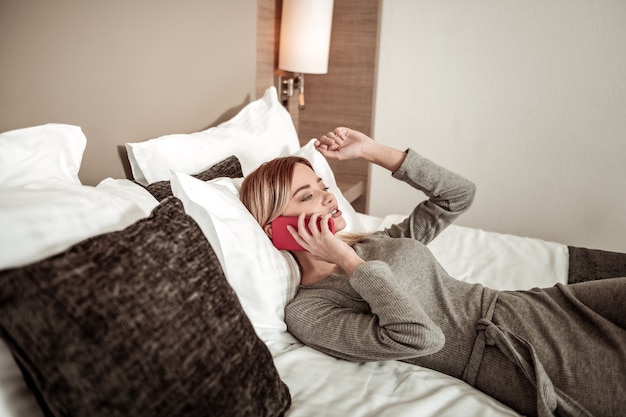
(229, 167)
(42, 219)
(139, 322)
(590, 264)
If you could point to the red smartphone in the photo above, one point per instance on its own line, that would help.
(282, 239)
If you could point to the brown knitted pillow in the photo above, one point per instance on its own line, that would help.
(229, 167)
(139, 322)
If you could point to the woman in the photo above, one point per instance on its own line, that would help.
(555, 351)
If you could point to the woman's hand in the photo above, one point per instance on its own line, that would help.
(323, 244)
(343, 143)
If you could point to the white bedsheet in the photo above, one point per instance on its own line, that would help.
(324, 386)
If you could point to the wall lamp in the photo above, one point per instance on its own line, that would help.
(304, 45)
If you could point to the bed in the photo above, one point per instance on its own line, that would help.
(160, 295)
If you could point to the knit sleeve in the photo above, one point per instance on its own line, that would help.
(395, 328)
(449, 195)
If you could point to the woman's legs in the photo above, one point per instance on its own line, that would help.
(592, 264)
(579, 335)
(605, 297)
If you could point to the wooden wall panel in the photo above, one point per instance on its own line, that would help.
(344, 96)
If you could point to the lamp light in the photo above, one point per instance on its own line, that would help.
(304, 44)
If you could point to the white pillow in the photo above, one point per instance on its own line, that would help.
(323, 170)
(128, 189)
(37, 223)
(261, 131)
(264, 278)
(41, 155)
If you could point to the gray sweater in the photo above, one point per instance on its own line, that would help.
(402, 305)
(383, 311)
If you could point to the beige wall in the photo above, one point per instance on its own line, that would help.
(526, 98)
(124, 71)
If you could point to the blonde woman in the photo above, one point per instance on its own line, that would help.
(544, 352)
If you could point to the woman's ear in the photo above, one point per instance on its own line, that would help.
(268, 230)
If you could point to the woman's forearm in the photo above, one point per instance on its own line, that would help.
(384, 156)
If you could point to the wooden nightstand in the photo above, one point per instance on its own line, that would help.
(351, 190)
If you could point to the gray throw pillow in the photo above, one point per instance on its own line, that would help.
(229, 167)
(140, 322)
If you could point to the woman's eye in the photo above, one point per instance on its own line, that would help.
(307, 197)
(325, 188)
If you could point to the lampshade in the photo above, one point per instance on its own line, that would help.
(305, 36)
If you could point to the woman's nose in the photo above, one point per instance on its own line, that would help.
(329, 197)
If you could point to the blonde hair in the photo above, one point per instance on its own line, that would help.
(266, 192)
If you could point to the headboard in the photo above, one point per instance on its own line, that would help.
(125, 71)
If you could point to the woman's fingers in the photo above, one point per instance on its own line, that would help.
(333, 140)
(308, 231)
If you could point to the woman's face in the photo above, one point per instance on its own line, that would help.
(310, 195)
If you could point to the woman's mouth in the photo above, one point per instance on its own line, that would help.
(335, 213)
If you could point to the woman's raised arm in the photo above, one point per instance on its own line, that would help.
(344, 143)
